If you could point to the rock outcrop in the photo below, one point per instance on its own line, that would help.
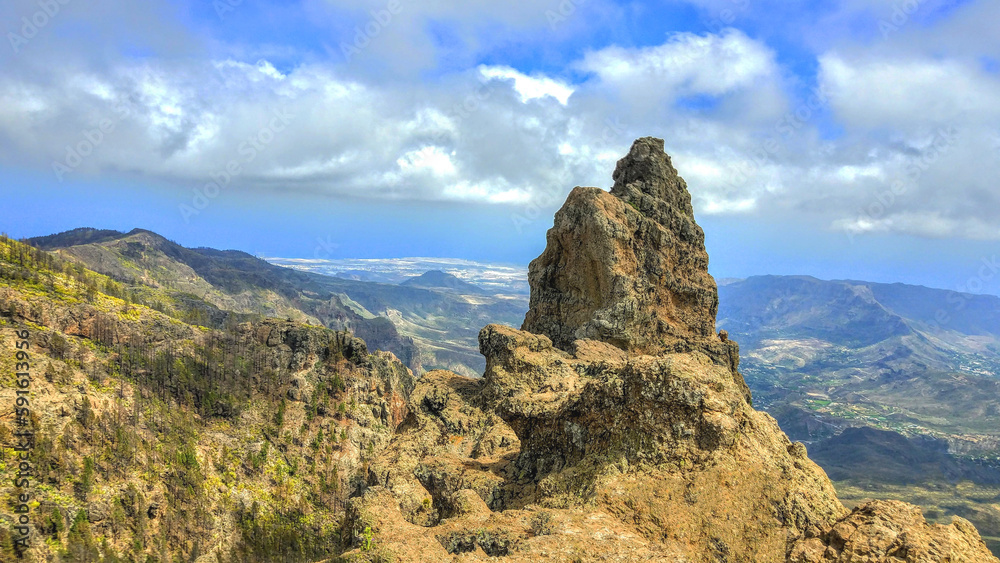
(891, 532)
(652, 440)
(616, 426)
(627, 267)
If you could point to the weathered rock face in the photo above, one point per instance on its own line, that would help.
(616, 426)
(890, 532)
(384, 384)
(446, 448)
(673, 434)
(627, 267)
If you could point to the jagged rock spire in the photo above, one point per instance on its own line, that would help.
(627, 267)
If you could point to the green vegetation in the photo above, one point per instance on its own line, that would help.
(429, 324)
(153, 431)
(825, 356)
(367, 541)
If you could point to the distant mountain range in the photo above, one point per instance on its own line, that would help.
(852, 313)
(823, 355)
(494, 278)
(436, 279)
(427, 328)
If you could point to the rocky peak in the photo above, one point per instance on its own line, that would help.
(627, 267)
(648, 170)
(615, 426)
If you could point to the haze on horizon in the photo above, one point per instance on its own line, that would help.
(841, 139)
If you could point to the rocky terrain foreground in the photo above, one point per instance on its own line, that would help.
(616, 426)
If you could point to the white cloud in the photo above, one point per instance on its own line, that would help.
(511, 136)
(431, 159)
(851, 173)
(907, 93)
(921, 126)
(712, 207)
(497, 190)
(688, 64)
(926, 224)
(529, 87)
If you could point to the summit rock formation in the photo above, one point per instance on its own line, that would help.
(627, 267)
(615, 426)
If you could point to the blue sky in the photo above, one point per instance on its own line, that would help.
(841, 138)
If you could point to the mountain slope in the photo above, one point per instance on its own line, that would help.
(832, 360)
(159, 440)
(882, 456)
(75, 237)
(867, 463)
(803, 307)
(892, 327)
(855, 352)
(202, 282)
(426, 328)
(941, 310)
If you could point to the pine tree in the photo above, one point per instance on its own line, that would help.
(80, 545)
(86, 416)
(86, 483)
(56, 524)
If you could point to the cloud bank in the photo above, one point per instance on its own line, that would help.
(881, 134)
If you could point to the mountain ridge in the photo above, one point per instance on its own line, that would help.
(157, 439)
(436, 279)
(425, 328)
